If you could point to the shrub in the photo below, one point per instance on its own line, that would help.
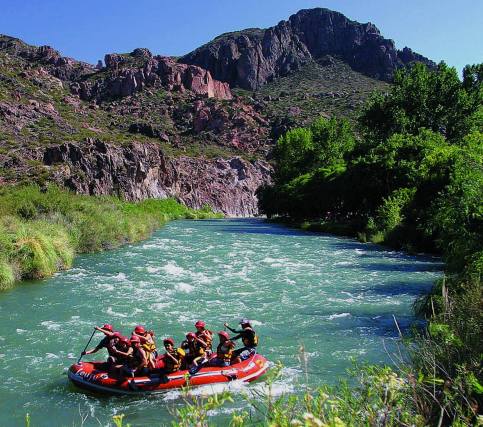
(390, 213)
(7, 278)
(42, 249)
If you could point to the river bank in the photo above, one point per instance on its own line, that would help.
(41, 231)
(353, 230)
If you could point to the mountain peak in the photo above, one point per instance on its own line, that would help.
(253, 57)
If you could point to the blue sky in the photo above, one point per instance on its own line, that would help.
(87, 29)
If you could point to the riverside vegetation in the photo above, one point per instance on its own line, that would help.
(412, 177)
(42, 230)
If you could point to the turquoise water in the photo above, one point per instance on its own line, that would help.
(334, 296)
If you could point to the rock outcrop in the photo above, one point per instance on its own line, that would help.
(125, 75)
(57, 65)
(138, 171)
(250, 58)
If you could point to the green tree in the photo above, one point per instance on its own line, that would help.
(458, 212)
(302, 150)
(293, 154)
(422, 98)
(332, 140)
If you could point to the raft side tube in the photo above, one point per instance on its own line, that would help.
(92, 376)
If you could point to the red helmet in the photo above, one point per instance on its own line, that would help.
(135, 339)
(200, 324)
(224, 334)
(116, 335)
(168, 341)
(124, 340)
(191, 335)
(139, 329)
(108, 327)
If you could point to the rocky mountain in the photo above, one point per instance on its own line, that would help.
(253, 57)
(143, 125)
(125, 75)
(140, 126)
(139, 171)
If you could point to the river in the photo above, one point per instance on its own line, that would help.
(334, 296)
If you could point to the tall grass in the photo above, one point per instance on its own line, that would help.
(42, 230)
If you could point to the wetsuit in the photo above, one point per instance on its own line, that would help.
(136, 363)
(250, 342)
(109, 344)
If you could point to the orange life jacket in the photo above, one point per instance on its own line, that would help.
(169, 364)
(224, 351)
(206, 336)
(149, 347)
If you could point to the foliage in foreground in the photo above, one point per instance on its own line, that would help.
(372, 396)
(41, 231)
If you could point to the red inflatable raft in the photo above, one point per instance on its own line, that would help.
(91, 376)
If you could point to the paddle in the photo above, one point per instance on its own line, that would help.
(87, 345)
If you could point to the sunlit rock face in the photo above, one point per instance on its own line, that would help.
(253, 57)
(139, 171)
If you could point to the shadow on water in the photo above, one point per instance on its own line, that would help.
(377, 251)
(418, 267)
(400, 288)
(382, 325)
(254, 226)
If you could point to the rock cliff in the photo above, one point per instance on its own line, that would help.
(253, 57)
(139, 171)
(124, 75)
(59, 66)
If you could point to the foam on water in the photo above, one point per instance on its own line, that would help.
(121, 277)
(333, 296)
(51, 325)
(161, 305)
(172, 269)
(338, 315)
(111, 312)
(184, 287)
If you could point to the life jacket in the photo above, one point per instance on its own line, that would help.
(249, 338)
(149, 347)
(224, 351)
(169, 364)
(206, 336)
(195, 349)
(147, 343)
(136, 358)
(120, 358)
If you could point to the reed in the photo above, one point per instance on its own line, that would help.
(41, 230)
